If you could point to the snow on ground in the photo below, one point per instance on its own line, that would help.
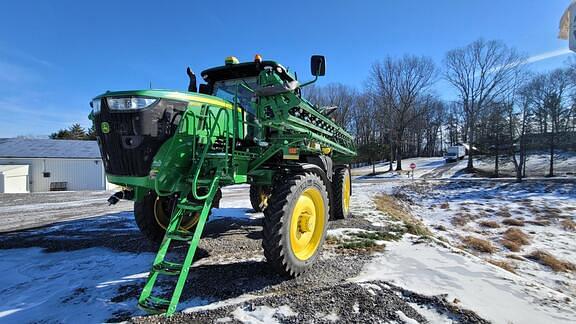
(493, 293)
(537, 165)
(533, 295)
(90, 285)
(71, 286)
(424, 165)
(259, 314)
(465, 209)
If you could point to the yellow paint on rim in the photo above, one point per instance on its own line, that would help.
(161, 217)
(346, 193)
(307, 224)
(263, 199)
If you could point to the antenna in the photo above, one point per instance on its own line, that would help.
(150, 84)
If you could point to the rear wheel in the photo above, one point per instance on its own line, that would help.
(342, 189)
(259, 195)
(152, 215)
(295, 223)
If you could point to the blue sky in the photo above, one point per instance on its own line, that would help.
(56, 55)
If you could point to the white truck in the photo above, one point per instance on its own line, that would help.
(455, 153)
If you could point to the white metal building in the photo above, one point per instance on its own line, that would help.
(50, 165)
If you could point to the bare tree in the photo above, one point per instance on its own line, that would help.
(334, 94)
(553, 103)
(519, 118)
(481, 72)
(399, 88)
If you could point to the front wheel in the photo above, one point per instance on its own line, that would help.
(152, 215)
(295, 223)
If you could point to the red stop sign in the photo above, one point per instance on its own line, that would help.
(412, 166)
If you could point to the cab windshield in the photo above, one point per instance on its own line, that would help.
(226, 89)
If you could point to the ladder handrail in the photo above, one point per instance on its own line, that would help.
(202, 157)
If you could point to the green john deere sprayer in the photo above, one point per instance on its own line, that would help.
(172, 151)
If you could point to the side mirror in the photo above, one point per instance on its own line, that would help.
(318, 65)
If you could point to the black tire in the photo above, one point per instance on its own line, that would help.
(144, 214)
(256, 195)
(340, 209)
(277, 223)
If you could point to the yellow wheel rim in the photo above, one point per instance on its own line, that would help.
(163, 219)
(307, 224)
(263, 199)
(346, 194)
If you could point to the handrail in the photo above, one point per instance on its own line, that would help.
(202, 157)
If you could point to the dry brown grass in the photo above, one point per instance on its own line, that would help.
(504, 212)
(489, 224)
(513, 222)
(508, 266)
(551, 261)
(478, 244)
(516, 235)
(538, 222)
(393, 207)
(550, 212)
(568, 225)
(460, 219)
(512, 246)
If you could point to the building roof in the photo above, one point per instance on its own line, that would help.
(48, 148)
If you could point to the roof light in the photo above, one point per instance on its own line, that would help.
(258, 58)
(230, 60)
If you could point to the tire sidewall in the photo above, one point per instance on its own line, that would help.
(309, 182)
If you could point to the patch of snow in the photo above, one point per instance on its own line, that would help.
(261, 314)
(406, 319)
(332, 317)
(431, 315)
(71, 286)
(222, 303)
(356, 307)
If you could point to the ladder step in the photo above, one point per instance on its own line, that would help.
(154, 305)
(191, 207)
(180, 235)
(168, 268)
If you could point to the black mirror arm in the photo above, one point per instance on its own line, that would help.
(309, 82)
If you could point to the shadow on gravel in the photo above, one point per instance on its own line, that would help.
(117, 232)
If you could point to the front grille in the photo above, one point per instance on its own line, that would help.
(135, 137)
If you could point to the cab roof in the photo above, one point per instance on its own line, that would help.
(243, 70)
